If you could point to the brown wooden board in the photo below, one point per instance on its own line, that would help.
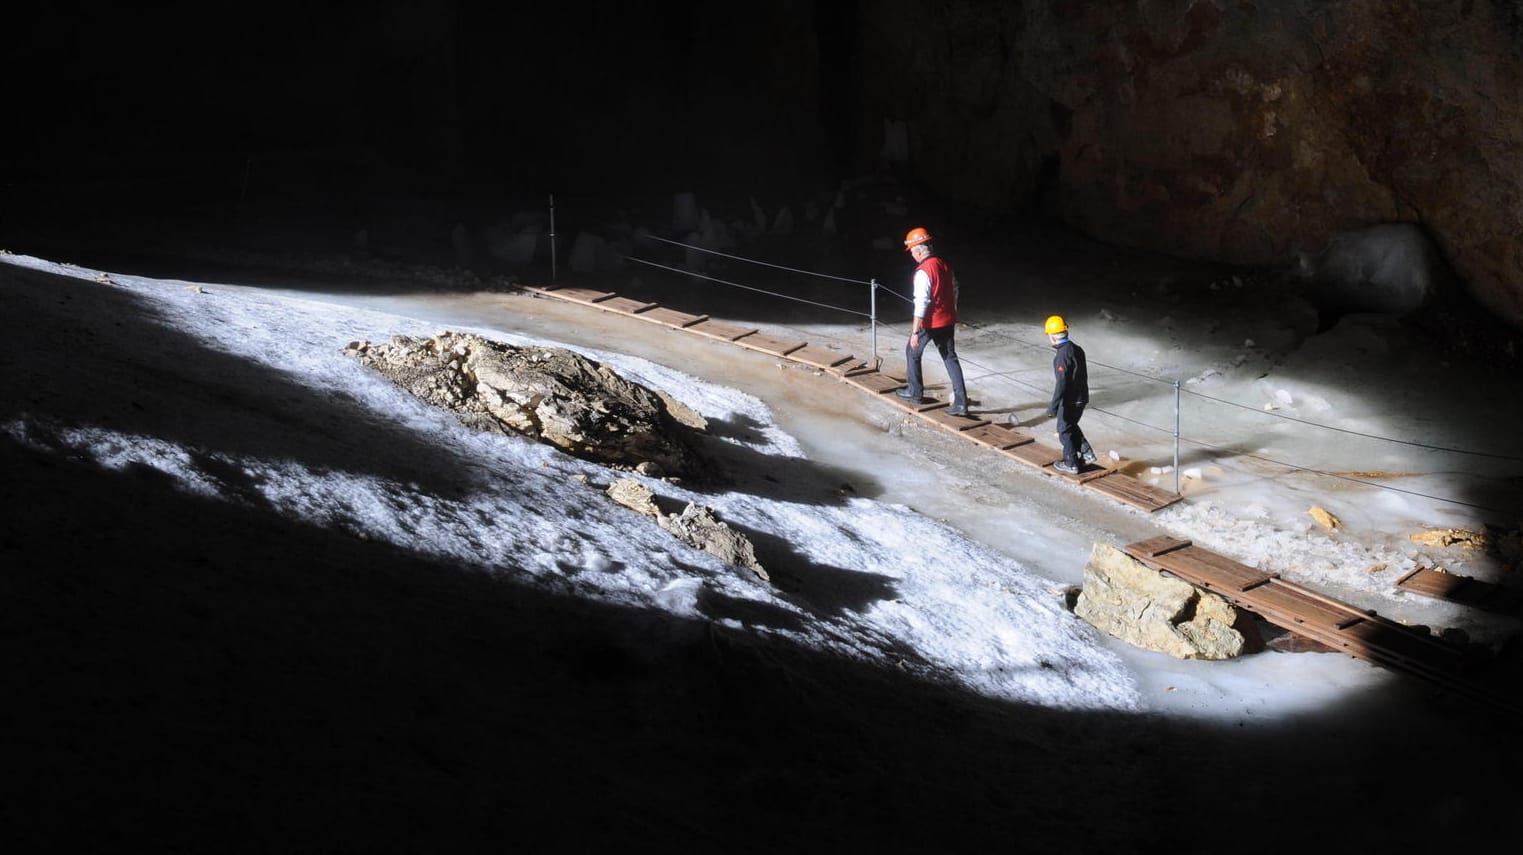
(671, 317)
(770, 344)
(1295, 604)
(1153, 547)
(1125, 488)
(956, 423)
(585, 296)
(924, 404)
(997, 436)
(819, 357)
(873, 381)
(1086, 475)
(625, 305)
(721, 331)
(1412, 647)
(1208, 569)
(1035, 454)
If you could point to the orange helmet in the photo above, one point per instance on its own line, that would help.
(915, 238)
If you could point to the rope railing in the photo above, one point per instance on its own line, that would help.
(1007, 376)
(777, 294)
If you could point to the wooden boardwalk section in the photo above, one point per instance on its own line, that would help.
(1008, 442)
(1358, 632)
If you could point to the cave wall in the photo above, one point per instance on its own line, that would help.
(1217, 129)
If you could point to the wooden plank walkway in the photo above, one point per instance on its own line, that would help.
(1011, 443)
(1341, 626)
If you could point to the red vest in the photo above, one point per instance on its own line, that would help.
(942, 312)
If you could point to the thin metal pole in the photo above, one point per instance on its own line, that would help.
(1176, 437)
(552, 237)
(873, 317)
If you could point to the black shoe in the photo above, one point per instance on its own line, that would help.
(1066, 468)
(905, 394)
(957, 411)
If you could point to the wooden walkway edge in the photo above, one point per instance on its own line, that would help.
(1011, 443)
(1358, 632)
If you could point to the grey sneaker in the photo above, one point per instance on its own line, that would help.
(1089, 457)
(1066, 468)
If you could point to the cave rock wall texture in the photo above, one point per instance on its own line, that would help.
(1242, 132)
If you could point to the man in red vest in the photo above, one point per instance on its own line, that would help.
(935, 321)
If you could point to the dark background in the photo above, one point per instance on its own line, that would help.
(462, 97)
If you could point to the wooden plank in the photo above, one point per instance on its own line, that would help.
(1208, 569)
(873, 381)
(924, 405)
(1035, 454)
(585, 296)
(625, 305)
(1303, 610)
(955, 423)
(1084, 476)
(720, 330)
(850, 366)
(1125, 488)
(819, 357)
(770, 344)
(671, 317)
(998, 437)
(1155, 546)
(1409, 645)
(1435, 582)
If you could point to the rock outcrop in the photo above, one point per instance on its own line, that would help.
(1135, 603)
(551, 394)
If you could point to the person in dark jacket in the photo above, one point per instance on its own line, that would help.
(1070, 395)
(935, 321)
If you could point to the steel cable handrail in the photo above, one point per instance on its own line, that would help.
(1004, 375)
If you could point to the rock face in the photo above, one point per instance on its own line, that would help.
(551, 394)
(1235, 132)
(1135, 603)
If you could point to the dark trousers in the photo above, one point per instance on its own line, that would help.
(943, 337)
(1075, 446)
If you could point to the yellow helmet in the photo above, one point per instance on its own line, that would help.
(1056, 324)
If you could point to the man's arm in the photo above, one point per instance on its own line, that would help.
(922, 301)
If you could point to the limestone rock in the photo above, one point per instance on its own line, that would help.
(1135, 603)
(634, 495)
(552, 394)
(698, 526)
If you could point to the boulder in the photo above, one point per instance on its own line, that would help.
(698, 526)
(1137, 604)
(554, 395)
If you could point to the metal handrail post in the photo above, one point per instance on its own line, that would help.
(873, 317)
(1176, 437)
